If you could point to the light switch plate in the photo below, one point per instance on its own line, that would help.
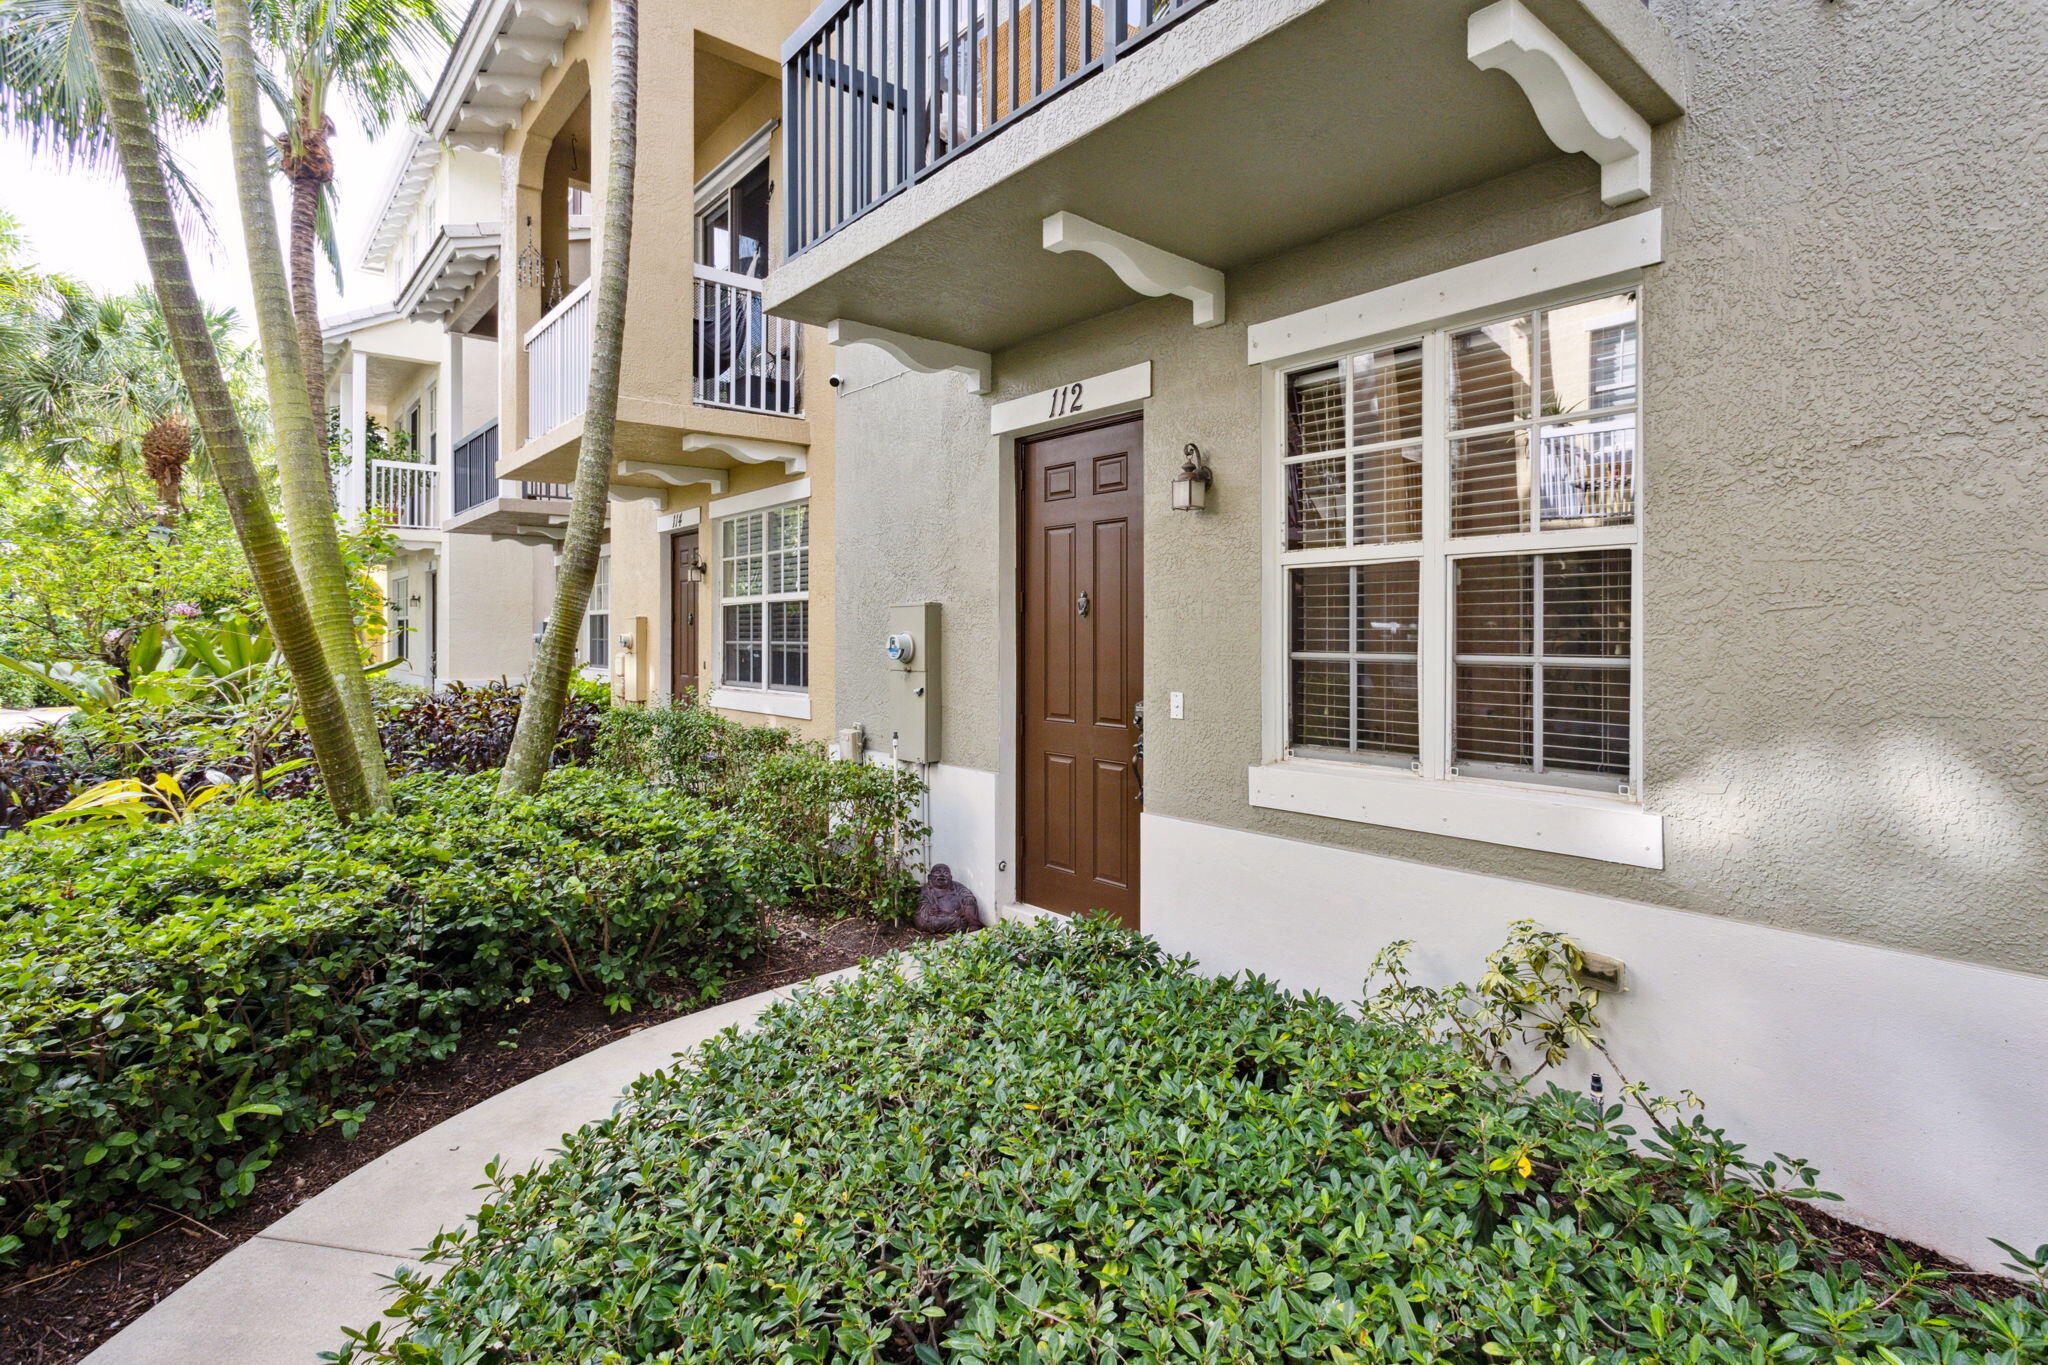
(1174, 707)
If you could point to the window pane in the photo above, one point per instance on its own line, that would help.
(1386, 498)
(1585, 720)
(1490, 374)
(1366, 703)
(743, 577)
(1490, 484)
(1386, 395)
(1315, 504)
(743, 644)
(1494, 606)
(1492, 723)
(1320, 707)
(597, 643)
(788, 644)
(1588, 473)
(750, 242)
(1589, 355)
(1388, 607)
(1387, 719)
(1322, 611)
(1586, 603)
(1315, 411)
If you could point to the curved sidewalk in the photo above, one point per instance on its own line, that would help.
(283, 1296)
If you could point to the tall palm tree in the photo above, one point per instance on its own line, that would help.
(130, 130)
(547, 685)
(293, 378)
(361, 50)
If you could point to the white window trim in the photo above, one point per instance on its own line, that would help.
(735, 168)
(764, 700)
(1518, 815)
(589, 669)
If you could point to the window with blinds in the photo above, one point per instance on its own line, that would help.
(597, 617)
(1459, 538)
(765, 611)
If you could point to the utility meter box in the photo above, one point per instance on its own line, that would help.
(911, 654)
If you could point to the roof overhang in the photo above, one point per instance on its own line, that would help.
(496, 66)
(457, 261)
(409, 180)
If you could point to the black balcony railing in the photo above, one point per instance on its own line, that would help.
(877, 94)
(476, 468)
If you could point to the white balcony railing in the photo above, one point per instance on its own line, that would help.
(558, 364)
(403, 494)
(744, 358)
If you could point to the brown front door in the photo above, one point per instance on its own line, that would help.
(1082, 602)
(682, 577)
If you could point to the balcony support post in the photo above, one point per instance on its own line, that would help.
(1144, 267)
(1579, 111)
(918, 353)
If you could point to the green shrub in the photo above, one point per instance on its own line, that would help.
(847, 832)
(176, 1000)
(1055, 1146)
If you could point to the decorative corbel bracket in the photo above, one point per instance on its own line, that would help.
(674, 475)
(533, 537)
(1578, 110)
(747, 450)
(918, 353)
(1142, 266)
(626, 492)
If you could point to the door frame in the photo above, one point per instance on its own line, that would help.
(1010, 654)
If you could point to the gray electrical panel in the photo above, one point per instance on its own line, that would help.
(912, 654)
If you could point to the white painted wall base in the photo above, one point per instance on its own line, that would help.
(1914, 1083)
(963, 820)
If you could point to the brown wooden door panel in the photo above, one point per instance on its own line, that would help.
(682, 633)
(1082, 664)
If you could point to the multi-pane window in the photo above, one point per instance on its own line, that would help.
(764, 577)
(597, 618)
(1459, 535)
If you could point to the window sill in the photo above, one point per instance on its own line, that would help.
(790, 705)
(1602, 828)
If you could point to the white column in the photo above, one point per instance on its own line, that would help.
(355, 428)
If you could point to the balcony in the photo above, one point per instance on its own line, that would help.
(929, 143)
(558, 363)
(744, 358)
(484, 504)
(403, 494)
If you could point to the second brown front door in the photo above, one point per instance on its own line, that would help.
(685, 568)
(1082, 605)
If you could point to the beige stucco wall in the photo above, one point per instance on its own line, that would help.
(655, 380)
(1844, 427)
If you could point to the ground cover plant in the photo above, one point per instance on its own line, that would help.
(175, 999)
(1058, 1145)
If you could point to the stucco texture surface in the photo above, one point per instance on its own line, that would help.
(1845, 558)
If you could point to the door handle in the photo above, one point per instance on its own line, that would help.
(1081, 605)
(1138, 749)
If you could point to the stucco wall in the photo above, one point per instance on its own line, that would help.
(1844, 418)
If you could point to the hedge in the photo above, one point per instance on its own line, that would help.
(1059, 1146)
(175, 1001)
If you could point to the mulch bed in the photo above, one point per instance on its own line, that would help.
(57, 1314)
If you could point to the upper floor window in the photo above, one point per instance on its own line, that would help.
(732, 230)
(1460, 540)
(764, 585)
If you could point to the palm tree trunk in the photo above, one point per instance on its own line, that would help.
(277, 586)
(305, 482)
(547, 686)
(305, 276)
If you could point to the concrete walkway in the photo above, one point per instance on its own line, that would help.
(283, 1297)
(14, 721)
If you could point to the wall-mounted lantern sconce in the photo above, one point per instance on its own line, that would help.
(693, 567)
(625, 644)
(415, 599)
(1191, 485)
